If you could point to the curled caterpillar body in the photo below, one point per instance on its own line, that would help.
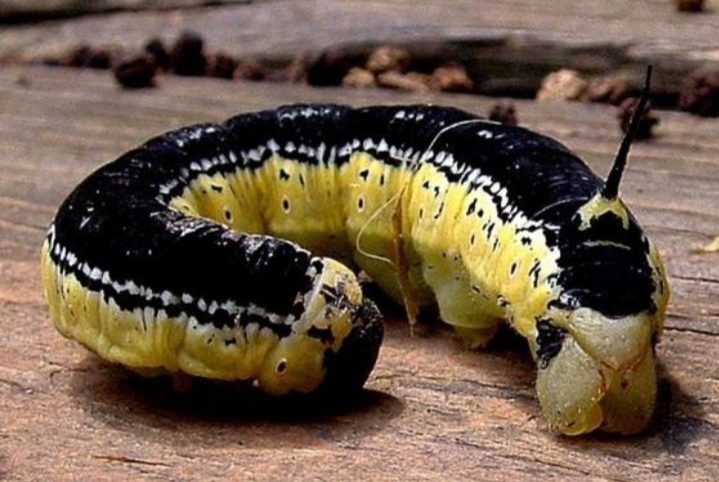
(184, 254)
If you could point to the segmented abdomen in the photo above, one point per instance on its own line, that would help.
(160, 259)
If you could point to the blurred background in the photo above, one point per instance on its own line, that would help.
(597, 49)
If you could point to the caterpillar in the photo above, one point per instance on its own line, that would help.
(221, 251)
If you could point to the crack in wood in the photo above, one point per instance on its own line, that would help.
(695, 331)
(657, 228)
(130, 460)
(698, 279)
(17, 386)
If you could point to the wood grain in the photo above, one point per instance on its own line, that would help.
(432, 408)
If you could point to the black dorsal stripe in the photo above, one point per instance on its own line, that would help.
(118, 221)
(114, 222)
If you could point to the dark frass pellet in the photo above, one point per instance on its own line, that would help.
(700, 93)
(222, 65)
(646, 123)
(155, 48)
(136, 73)
(188, 55)
(504, 113)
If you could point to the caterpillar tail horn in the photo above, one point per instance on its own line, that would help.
(611, 186)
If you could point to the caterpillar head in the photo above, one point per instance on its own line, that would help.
(597, 371)
(595, 347)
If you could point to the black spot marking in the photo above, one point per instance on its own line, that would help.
(286, 205)
(472, 239)
(364, 174)
(425, 185)
(302, 180)
(472, 206)
(360, 203)
(526, 241)
(549, 342)
(216, 187)
(281, 367)
(381, 180)
(480, 213)
(421, 213)
(534, 272)
(436, 191)
(513, 269)
(228, 215)
(490, 228)
(284, 175)
(439, 211)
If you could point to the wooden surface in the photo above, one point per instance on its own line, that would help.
(12, 11)
(432, 409)
(277, 25)
(504, 39)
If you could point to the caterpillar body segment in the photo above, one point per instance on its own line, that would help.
(149, 286)
(184, 254)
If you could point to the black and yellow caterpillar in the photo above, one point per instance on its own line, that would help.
(180, 256)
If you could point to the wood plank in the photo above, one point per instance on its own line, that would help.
(13, 11)
(433, 409)
(511, 41)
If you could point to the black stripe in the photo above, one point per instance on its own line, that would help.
(118, 219)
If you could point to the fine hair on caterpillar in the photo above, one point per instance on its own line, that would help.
(410, 164)
(212, 251)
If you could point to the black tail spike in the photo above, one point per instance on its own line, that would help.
(611, 186)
